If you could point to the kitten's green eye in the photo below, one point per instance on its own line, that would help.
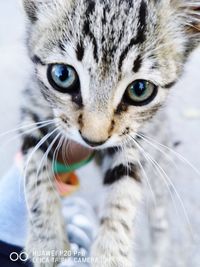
(140, 92)
(63, 78)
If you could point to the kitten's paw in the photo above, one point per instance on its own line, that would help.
(107, 252)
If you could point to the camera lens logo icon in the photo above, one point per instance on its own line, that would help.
(14, 256)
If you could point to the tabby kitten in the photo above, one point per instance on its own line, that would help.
(103, 69)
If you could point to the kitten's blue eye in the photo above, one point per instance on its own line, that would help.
(63, 78)
(141, 92)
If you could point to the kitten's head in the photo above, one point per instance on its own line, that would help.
(106, 66)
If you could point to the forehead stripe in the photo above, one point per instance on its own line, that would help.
(140, 37)
(87, 31)
(80, 51)
(90, 8)
(137, 64)
(142, 23)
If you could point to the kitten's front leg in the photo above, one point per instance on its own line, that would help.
(46, 235)
(159, 223)
(113, 246)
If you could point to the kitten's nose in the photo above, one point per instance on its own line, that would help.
(94, 128)
(92, 143)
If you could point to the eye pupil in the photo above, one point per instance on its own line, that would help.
(62, 73)
(139, 88)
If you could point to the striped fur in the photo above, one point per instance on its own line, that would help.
(110, 43)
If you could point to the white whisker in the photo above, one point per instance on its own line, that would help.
(29, 159)
(148, 182)
(55, 154)
(46, 155)
(24, 127)
(24, 133)
(197, 171)
(159, 149)
(168, 180)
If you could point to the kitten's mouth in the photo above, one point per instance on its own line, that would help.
(93, 144)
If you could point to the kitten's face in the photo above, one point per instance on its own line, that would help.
(106, 66)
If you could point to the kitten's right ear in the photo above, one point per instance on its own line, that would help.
(31, 7)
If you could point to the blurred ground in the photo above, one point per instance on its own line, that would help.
(184, 111)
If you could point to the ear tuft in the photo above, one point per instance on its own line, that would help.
(189, 11)
(30, 7)
(192, 15)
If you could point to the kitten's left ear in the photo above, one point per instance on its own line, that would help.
(189, 11)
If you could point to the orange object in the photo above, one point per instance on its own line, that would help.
(66, 183)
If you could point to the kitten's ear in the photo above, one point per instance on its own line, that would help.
(189, 11)
(31, 7)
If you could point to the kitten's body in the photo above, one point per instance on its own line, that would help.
(110, 44)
